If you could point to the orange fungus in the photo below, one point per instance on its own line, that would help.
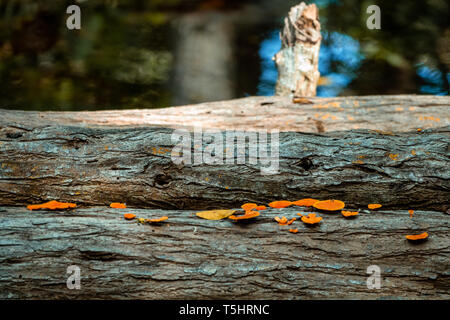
(247, 215)
(118, 205)
(305, 202)
(52, 205)
(129, 216)
(280, 204)
(417, 236)
(158, 219)
(249, 206)
(329, 205)
(311, 219)
(373, 206)
(349, 213)
(281, 221)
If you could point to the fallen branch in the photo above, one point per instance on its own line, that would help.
(385, 113)
(96, 166)
(188, 257)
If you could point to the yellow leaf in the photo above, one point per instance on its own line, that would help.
(215, 214)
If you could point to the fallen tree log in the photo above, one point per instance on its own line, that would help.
(99, 157)
(385, 113)
(96, 166)
(191, 258)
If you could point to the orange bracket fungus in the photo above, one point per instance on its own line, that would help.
(417, 237)
(311, 219)
(247, 215)
(293, 230)
(329, 205)
(52, 205)
(129, 216)
(305, 202)
(373, 206)
(157, 219)
(348, 214)
(117, 205)
(259, 208)
(411, 213)
(282, 220)
(249, 206)
(280, 204)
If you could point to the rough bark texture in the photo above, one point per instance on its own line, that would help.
(192, 258)
(94, 158)
(297, 61)
(98, 165)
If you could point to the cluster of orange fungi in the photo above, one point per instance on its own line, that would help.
(330, 205)
(284, 221)
(131, 216)
(251, 210)
(247, 215)
(311, 219)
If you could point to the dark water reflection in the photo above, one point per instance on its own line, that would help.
(152, 54)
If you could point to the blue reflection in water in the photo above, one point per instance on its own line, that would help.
(339, 59)
(433, 79)
(269, 74)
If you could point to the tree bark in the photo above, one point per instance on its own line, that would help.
(386, 113)
(95, 165)
(188, 257)
(297, 61)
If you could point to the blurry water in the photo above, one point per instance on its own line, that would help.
(152, 55)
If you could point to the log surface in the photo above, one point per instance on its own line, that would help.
(97, 166)
(192, 258)
(385, 113)
(95, 158)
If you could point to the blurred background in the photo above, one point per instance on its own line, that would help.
(159, 53)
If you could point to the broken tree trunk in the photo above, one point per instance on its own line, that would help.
(297, 61)
(43, 158)
(191, 258)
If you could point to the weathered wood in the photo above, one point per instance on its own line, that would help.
(192, 258)
(95, 166)
(298, 60)
(386, 113)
